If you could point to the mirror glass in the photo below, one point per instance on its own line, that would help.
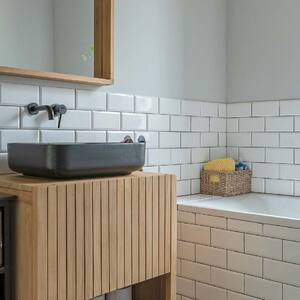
(48, 35)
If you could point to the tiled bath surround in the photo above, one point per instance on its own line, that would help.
(227, 259)
(267, 136)
(180, 134)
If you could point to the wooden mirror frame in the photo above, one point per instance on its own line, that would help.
(103, 57)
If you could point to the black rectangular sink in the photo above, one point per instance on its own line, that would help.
(64, 161)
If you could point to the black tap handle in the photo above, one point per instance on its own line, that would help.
(59, 120)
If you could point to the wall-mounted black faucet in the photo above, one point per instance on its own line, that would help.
(55, 110)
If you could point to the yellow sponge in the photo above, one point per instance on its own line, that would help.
(220, 165)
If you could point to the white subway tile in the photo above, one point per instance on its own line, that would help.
(217, 153)
(265, 108)
(211, 221)
(186, 217)
(218, 125)
(282, 272)
(181, 156)
(169, 139)
(211, 256)
(236, 296)
(170, 106)
(106, 120)
(281, 187)
(180, 123)
(171, 169)
(297, 188)
(41, 120)
(232, 125)
(200, 155)
(151, 138)
(18, 94)
(183, 187)
(297, 123)
(290, 172)
(251, 124)
(120, 102)
(227, 279)
(191, 108)
(262, 170)
(190, 171)
(291, 252)
(222, 139)
(239, 110)
(258, 185)
(209, 292)
(153, 169)
(290, 108)
(263, 246)
(209, 139)
(75, 119)
(278, 155)
(291, 140)
(146, 105)
(18, 136)
(158, 122)
(244, 226)
(134, 121)
(57, 136)
(222, 110)
(243, 263)
(195, 186)
(118, 136)
(261, 288)
(297, 156)
(290, 292)
(227, 239)
(209, 109)
(200, 124)
(238, 139)
(90, 136)
(232, 152)
(265, 139)
(91, 100)
(195, 234)
(52, 95)
(185, 287)
(252, 154)
(195, 271)
(280, 124)
(190, 140)
(4, 168)
(9, 117)
(281, 232)
(186, 250)
(158, 156)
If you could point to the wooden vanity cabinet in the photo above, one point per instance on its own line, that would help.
(85, 238)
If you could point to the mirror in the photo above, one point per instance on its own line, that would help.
(69, 39)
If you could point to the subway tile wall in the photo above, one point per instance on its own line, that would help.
(180, 134)
(227, 259)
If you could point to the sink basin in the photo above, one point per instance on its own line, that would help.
(76, 160)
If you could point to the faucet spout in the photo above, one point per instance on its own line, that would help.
(34, 108)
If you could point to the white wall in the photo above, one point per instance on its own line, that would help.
(171, 48)
(263, 50)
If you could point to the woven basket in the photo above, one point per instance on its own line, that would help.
(225, 184)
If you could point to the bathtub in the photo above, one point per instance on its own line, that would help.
(236, 248)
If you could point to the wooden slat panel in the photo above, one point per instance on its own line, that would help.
(88, 237)
(128, 233)
(112, 235)
(97, 238)
(168, 225)
(71, 243)
(135, 230)
(62, 241)
(121, 233)
(52, 243)
(41, 208)
(161, 254)
(149, 228)
(105, 237)
(155, 226)
(80, 293)
(142, 229)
